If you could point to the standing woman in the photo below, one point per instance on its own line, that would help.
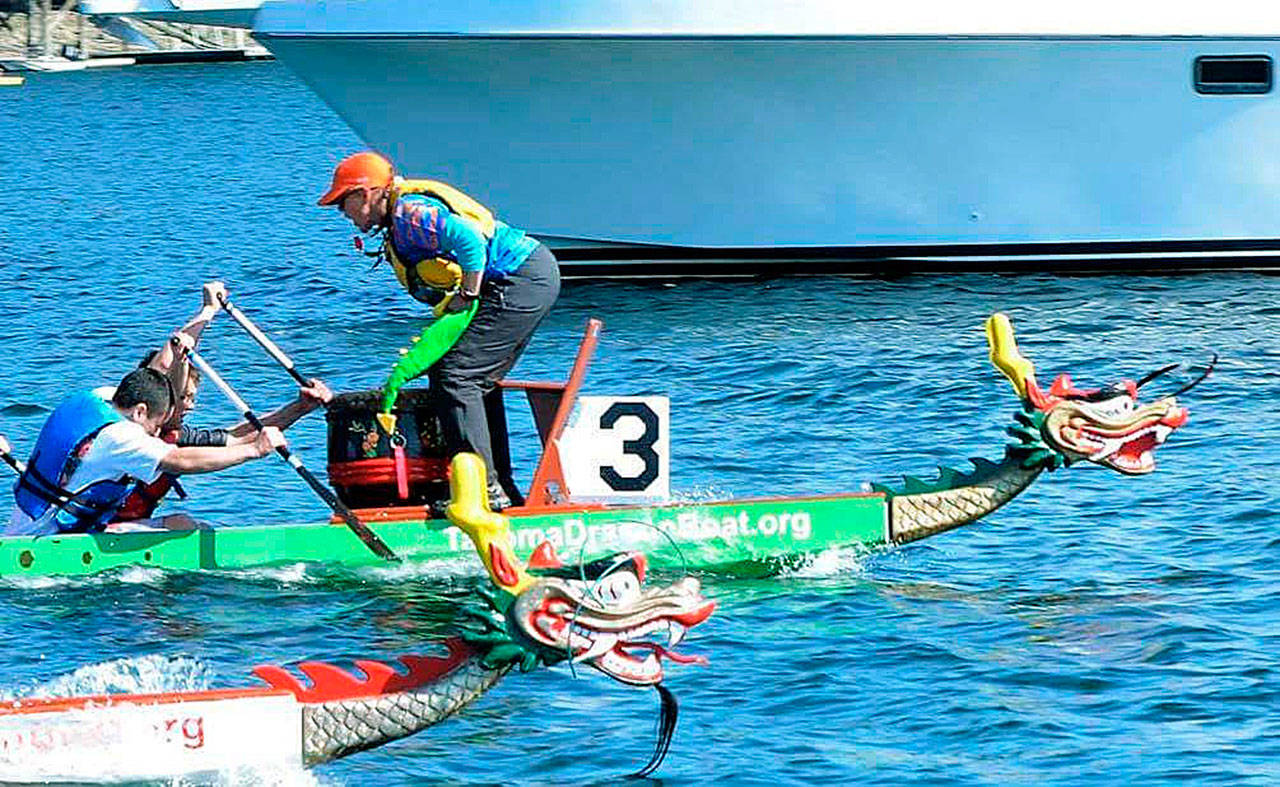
(448, 251)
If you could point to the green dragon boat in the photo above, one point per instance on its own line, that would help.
(1054, 428)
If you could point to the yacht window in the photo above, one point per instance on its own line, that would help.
(1233, 74)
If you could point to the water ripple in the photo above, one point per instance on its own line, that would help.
(1100, 629)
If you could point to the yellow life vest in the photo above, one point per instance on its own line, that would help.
(439, 273)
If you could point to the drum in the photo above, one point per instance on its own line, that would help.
(362, 465)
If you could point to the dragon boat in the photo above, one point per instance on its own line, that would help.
(599, 614)
(390, 480)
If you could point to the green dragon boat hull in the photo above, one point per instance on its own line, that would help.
(693, 535)
(1055, 428)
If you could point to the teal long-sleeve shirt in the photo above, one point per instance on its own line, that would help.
(422, 227)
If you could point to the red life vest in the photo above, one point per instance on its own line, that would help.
(142, 503)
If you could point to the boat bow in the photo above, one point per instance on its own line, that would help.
(1055, 428)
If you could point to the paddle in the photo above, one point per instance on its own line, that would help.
(361, 530)
(262, 339)
(6, 453)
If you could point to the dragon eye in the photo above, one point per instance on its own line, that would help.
(617, 587)
(1114, 407)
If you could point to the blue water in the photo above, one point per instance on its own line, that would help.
(1100, 629)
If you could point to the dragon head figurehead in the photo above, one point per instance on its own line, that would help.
(1107, 426)
(601, 614)
(598, 613)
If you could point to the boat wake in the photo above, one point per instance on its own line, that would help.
(461, 567)
(840, 562)
(239, 777)
(128, 575)
(306, 574)
(286, 575)
(151, 674)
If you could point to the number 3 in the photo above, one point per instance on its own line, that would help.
(642, 447)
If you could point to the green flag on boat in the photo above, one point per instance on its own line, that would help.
(430, 346)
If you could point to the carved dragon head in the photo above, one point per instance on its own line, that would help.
(599, 613)
(1107, 426)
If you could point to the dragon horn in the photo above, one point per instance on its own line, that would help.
(490, 532)
(1005, 355)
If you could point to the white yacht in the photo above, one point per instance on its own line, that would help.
(769, 135)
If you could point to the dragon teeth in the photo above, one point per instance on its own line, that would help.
(675, 632)
(630, 669)
(595, 649)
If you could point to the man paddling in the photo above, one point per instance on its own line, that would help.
(449, 251)
(171, 360)
(92, 451)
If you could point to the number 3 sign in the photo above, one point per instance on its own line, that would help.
(617, 447)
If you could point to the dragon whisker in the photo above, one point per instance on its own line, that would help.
(1153, 375)
(669, 714)
(1213, 362)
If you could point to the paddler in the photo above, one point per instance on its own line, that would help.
(138, 509)
(92, 451)
(490, 284)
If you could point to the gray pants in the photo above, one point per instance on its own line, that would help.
(464, 381)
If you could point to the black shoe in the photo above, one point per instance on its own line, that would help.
(435, 508)
(498, 499)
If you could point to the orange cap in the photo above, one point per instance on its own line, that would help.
(359, 170)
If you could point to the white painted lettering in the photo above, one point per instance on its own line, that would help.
(801, 527)
(768, 524)
(729, 528)
(529, 538)
(575, 533)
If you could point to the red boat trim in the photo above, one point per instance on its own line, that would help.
(56, 704)
(329, 682)
(389, 514)
(561, 508)
(420, 514)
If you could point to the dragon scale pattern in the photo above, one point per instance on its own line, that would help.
(341, 727)
(915, 516)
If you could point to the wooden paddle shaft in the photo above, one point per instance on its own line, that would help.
(366, 535)
(262, 339)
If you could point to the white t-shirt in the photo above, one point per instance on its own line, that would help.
(122, 448)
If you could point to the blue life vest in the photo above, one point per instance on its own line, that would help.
(63, 439)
